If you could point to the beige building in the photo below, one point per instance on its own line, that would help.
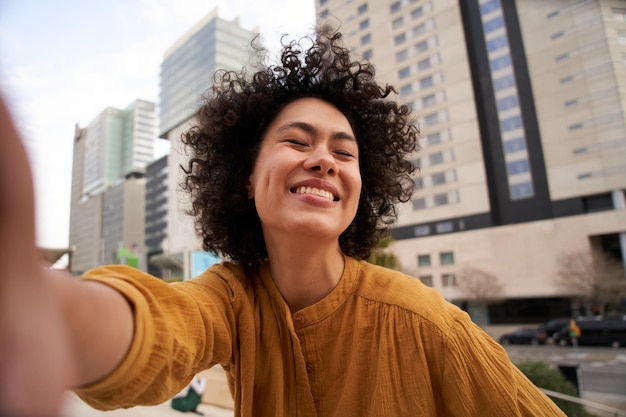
(521, 108)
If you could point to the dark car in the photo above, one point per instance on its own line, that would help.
(524, 336)
(596, 331)
(553, 326)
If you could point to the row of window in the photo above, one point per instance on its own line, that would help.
(435, 179)
(445, 258)
(435, 200)
(447, 280)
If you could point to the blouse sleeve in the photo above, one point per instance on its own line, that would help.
(479, 379)
(180, 329)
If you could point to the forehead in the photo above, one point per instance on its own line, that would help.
(314, 111)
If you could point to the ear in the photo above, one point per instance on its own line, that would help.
(250, 191)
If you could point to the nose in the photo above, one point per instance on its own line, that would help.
(321, 161)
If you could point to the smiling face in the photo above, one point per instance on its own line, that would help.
(306, 179)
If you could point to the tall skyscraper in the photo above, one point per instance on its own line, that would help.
(186, 75)
(520, 104)
(115, 145)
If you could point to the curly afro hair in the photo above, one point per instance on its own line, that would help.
(235, 114)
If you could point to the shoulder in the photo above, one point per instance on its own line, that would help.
(394, 288)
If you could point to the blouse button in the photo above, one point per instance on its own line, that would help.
(300, 318)
(309, 368)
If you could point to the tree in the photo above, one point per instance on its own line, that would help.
(480, 288)
(595, 278)
(381, 256)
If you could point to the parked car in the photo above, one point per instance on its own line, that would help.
(596, 332)
(552, 327)
(524, 336)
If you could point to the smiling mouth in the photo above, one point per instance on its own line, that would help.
(315, 191)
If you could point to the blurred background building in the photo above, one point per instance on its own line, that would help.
(522, 111)
(186, 75)
(108, 191)
(521, 108)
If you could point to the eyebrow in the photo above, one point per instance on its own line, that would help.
(310, 129)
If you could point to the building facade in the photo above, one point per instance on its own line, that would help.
(156, 214)
(521, 109)
(108, 153)
(186, 75)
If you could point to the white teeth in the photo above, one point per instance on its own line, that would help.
(315, 191)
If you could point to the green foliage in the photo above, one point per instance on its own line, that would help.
(383, 258)
(548, 377)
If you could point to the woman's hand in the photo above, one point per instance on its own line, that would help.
(36, 362)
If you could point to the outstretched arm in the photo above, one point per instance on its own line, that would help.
(56, 332)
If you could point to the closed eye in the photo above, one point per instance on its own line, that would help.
(345, 153)
(296, 142)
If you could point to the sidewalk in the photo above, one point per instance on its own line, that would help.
(77, 408)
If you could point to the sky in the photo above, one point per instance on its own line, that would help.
(62, 63)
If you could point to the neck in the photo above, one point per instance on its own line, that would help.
(304, 272)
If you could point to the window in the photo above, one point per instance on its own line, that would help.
(433, 138)
(511, 123)
(406, 90)
(401, 38)
(431, 119)
(557, 35)
(429, 100)
(500, 62)
(572, 102)
(435, 158)
(323, 2)
(419, 29)
(517, 167)
(421, 46)
(416, 13)
(444, 227)
(448, 280)
(504, 82)
(362, 8)
(402, 55)
(324, 14)
(566, 80)
(364, 24)
(438, 178)
(367, 54)
(404, 72)
(427, 82)
(423, 64)
(422, 230)
(497, 43)
(397, 22)
(446, 258)
(507, 102)
(440, 199)
(493, 24)
(418, 182)
(514, 145)
(366, 39)
(423, 260)
(561, 57)
(521, 190)
(395, 7)
(489, 7)
(426, 280)
(418, 204)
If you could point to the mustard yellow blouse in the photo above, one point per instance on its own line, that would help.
(380, 344)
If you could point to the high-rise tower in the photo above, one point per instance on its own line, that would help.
(521, 108)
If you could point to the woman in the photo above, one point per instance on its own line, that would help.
(294, 176)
